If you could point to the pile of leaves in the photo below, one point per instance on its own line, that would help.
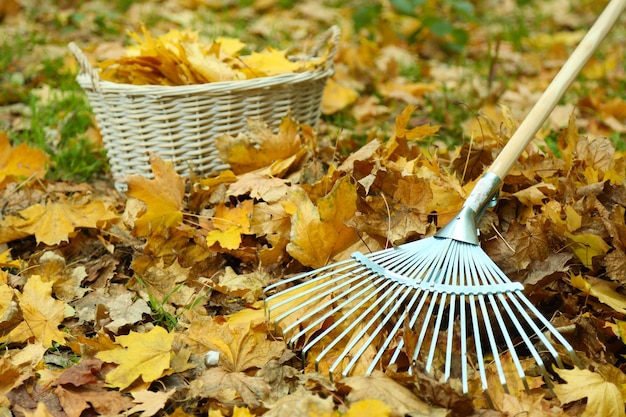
(179, 275)
(180, 58)
(151, 303)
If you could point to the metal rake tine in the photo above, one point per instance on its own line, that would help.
(375, 333)
(346, 331)
(318, 295)
(336, 308)
(342, 319)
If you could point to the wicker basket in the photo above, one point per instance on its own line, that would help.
(181, 123)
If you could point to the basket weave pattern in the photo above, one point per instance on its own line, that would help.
(181, 123)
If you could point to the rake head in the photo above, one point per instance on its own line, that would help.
(439, 301)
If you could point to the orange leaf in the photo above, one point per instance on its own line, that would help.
(163, 195)
(317, 233)
(260, 147)
(20, 161)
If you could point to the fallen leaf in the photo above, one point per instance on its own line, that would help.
(337, 96)
(317, 233)
(260, 146)
(148, 403)
(142, 355)
(378, 386)
(230, 224)
(586, 246)
(20, 162)
(247, 286)
(242, 346)
(124, 310)
(53, 223)
(162, 195)
(302, 404)
(368, 408)
(230, 388)
(603, 290)
(603, 397)
(42, 315)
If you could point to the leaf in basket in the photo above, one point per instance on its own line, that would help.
(261, 147)
(209, 67)
(318, 233)
(163, 196)
(229, 46)
(270, 62)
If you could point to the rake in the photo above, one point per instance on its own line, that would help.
(426, 301)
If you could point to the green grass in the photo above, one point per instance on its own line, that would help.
(56, 124)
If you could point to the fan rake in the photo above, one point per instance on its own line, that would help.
(439, 301)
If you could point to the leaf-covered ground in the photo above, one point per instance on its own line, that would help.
(151, 302)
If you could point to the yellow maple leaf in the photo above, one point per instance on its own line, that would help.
(415, 133)
(241, 345)
(230, 223)
(21, 161)
(368, 408)
(163, 196)
(42, 314)
(268, 62)
(145, 355)
(604, 291)
(586, 246)
(603, 397)
(54, 222)
(317, 233)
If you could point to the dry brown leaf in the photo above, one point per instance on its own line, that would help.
(148, 403)
(123, 310)
(260, 147)
(247, 286)
(301, 404)
(230, 388)
(378, 386)
(615, 262)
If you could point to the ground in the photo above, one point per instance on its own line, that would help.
(145, 294)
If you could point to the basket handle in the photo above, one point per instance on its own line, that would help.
(85, 66)
(329, 39)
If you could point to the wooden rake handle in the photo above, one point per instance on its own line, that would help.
(551, 96)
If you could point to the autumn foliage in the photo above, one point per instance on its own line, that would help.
(152, 302)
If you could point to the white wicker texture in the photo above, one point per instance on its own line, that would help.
(181, 123)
